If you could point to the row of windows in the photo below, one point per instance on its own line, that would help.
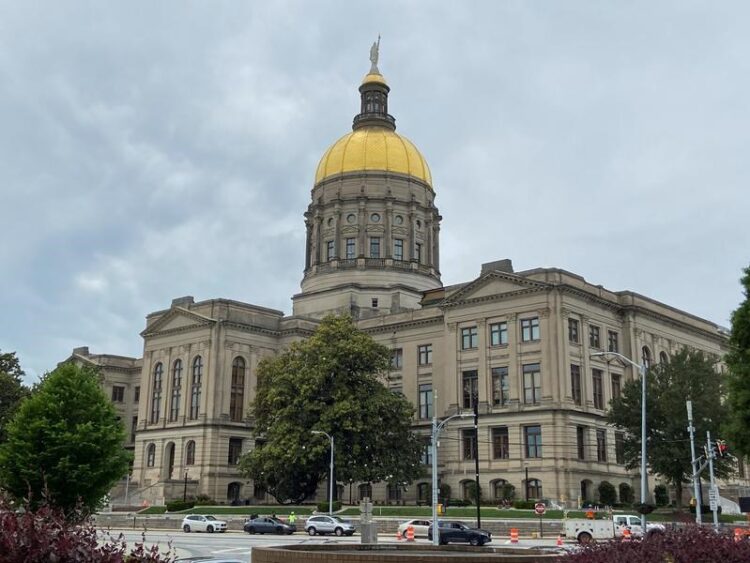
(582, 442)
(118, 393)
(233, 457)
(532, 386)
(597, 386)
(350, 249)
(613, 341)
(499, 333)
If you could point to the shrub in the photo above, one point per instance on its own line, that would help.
(458, 502)
(607, 493)
(524, 504)
(178, 505)
(204, 500)
(661, 495)
(508, 492)
(445, 490)
(686, 545)
(627, 495)
(323, 506)
(44, 534)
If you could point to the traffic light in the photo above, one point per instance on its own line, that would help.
(721, 448)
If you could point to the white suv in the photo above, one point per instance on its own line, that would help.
(201, 523)
(328, 525)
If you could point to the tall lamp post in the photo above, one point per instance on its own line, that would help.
(436, 428)
(644, 475)
(330, 472)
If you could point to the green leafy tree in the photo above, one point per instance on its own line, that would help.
(64, 443)
(627, 494)
(738, 361)
(661, 495)
(687, 375)
(607, 493)
(12, 389)
(330, 382)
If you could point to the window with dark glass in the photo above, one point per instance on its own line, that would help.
(398, 249)
(156, 393)
(581, 441)
(425, 401)
(151, 455)
(190, 453)
(598, 388)
(195, 387)
(397, 358)
(374, 247)
(500, 386)
(646, 356)
(594, 341)
(137, 394)
(174, 405)
(425, 354)
(469, 338)
(498, 334)
(235, 451)
(612, 341)
(468, 443)
(374, 302)
(616, 389)
(573, 330)
(133, 428)
(532, 384)
(532, 439)
(534, 489)
(470, 388)
(620, 448)
(330, 250)
(575, 383)
(418, 252)
(118, 394)
(663, 358)
(500, 443)
(351, 248)
(601, 445)
(237, 392)
(427, 453)
(530, 329)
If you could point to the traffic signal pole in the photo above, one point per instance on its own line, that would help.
(694, 465)
(713, 494)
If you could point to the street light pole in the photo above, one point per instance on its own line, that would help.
(330, 472)
(436, 428)
(644, 475)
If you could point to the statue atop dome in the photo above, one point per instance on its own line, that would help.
(374, 55)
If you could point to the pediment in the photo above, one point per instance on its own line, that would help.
(177, 319)
(494, 284)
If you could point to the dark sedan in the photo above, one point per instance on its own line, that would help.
(452, 532)
(265, 525)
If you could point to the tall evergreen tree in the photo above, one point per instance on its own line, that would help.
(738, 361)
(12, 389)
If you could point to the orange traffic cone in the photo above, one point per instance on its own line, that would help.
(559, 541)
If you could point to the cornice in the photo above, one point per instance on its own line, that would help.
(449, 303)
(404, 325)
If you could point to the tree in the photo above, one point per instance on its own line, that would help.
(12, 389)
(661, 495)
(607, 493)
(64, 443)
(738, 361)
(626, 493)
(330, 382)
(688, 375)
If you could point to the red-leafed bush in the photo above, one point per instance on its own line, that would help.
(687, 545)
(46, 535)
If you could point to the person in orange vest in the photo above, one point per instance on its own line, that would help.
(590, 514)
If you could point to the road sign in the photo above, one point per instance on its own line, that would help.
(540, 508)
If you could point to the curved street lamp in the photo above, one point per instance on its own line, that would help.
(330, 472)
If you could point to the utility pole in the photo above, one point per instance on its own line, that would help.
(713, 494)
(476, 457)
(694, 463)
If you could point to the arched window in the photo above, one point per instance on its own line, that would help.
(394, 492)
(424, 492)
(195, 387)
(237, 397)
(233, 492)
(499, 491)
(174, 407)
(534, 489)
(151, 455)
(646, 356)
(169, 455)
(365, 491)
(663, 358)
(156, 393)
(190, 453)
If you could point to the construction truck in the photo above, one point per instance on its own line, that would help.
(586, 530)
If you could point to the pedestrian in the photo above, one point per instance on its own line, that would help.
(292, 518)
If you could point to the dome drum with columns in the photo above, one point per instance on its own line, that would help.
(372, 227)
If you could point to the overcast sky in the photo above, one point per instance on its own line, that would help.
(150, 150)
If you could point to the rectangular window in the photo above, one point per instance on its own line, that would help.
(427, 453)
(594, 341)
(500, 443)
(532, 439)
(601, 445)
(532, 384)
(374, 247)
(374, 302)
(470, 387)
(500, 386)
(133, 428)
(529, 329)
(418, 252)
(469, 338)
(137, 394)
(398, 249)
(616, 389)
(612, 344)
(581, 441)
(573, 330)
(235, 451)
(425, 401)
(351, 248)
(468, 443)
(575, 383)
(498, 334)
(425, 354)
(596, 379)
(620, 448)
(330, 250)
(118, 394)
(397, 358)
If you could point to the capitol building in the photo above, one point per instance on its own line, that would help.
(520, 342)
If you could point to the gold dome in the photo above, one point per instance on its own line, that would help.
(374, 77)
(373, 149)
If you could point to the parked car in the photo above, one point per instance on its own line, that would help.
(420, 527)
(328, 525)
(461, 533)
(203, 523)
(266, 525)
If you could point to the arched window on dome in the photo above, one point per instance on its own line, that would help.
(237, 394)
